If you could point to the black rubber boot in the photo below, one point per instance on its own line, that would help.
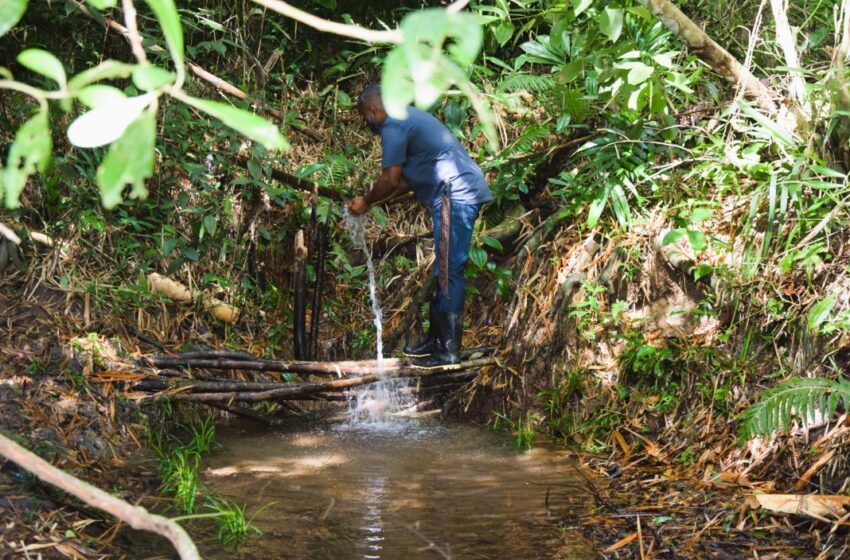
(432, 343)
(451, 327)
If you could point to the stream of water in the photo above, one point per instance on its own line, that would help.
(429, 491)
(378, 402)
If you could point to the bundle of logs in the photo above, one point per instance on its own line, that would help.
(190, 376)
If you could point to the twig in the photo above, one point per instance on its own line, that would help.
(352, 31)
(133, 31)
(135, 516)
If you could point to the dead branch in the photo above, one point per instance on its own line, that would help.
(136, 517)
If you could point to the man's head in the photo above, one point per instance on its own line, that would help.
(371, 108)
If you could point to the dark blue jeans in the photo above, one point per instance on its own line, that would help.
(463, 218)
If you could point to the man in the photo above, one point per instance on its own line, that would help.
(419, 153)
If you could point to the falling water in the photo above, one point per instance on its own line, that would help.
(374, 403)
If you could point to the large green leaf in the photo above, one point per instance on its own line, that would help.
(107, 122)
(130, 161)
(98, 94)
(417, 70)
(149, 77)
(245, 122)
(44, 63)
(819, 313)
(11, 11)
(169, 21)
(30, 151)
(106, 70)
(611, 23)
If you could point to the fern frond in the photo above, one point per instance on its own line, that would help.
(529, 82)
(805, 399)
(526, 140)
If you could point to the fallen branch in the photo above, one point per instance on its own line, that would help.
(351, 367)
(136, 517)
(290, 390)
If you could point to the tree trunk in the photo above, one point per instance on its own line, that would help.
(708, 50)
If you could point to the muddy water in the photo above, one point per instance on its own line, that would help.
(401, 491)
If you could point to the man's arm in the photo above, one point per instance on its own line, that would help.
(389, 185)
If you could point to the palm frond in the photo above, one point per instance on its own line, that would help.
(804, 399)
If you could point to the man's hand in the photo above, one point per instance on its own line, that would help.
(358, 206)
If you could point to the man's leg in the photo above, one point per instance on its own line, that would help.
(449, 301)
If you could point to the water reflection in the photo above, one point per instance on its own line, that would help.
(416, 491)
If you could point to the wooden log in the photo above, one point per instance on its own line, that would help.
(180, 292)
(313, 368)
(297, 183)
(299, 389)
(246, 412)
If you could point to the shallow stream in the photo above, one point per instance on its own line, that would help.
(404, 490)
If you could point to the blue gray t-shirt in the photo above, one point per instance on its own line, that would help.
(430, 155)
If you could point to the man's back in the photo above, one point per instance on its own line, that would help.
(429, 155)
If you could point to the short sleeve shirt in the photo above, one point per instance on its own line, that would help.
(430, 155)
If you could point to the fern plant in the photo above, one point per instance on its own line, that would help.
(805, 399)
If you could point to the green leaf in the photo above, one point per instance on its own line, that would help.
(639, 73)
(130, 161)
(673, 236)
(106, 70)
(579, 6)
(107, 122)
(478, 256)
(44, 63)
(699, 215)
(11, 12)
(150, 77)
(5, 73)
(774, 130)
(503, 32)
(169, 21)
(247, 123)
(168, 245)
(492, 242)
(702, 270)
(210, 224)
(97, 95)
(697, 240)
(30, 151)
(102, 4)
(597, 207)
(819, 313)
(571, 71)
(611, 23)
(559, 38)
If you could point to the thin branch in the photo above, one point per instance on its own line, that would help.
(353, 31)
(457, 6)
(135, 516)
(133, 31)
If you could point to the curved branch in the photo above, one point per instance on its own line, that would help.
(135, 516)
(353, 31)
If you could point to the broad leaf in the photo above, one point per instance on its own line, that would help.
(106, 70)
(503, 32)
(673, 236)
(254, 127)
(819, 313)
(478, 256)
(29, 152)
(97, 95)
(107, 122)
(130, 161)
(639, 73)
(697, 240)
(11, 12)
(44, 63)
(611, 23)
(579, 6)
(597, 206)
(150, 77)
(169, 21)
